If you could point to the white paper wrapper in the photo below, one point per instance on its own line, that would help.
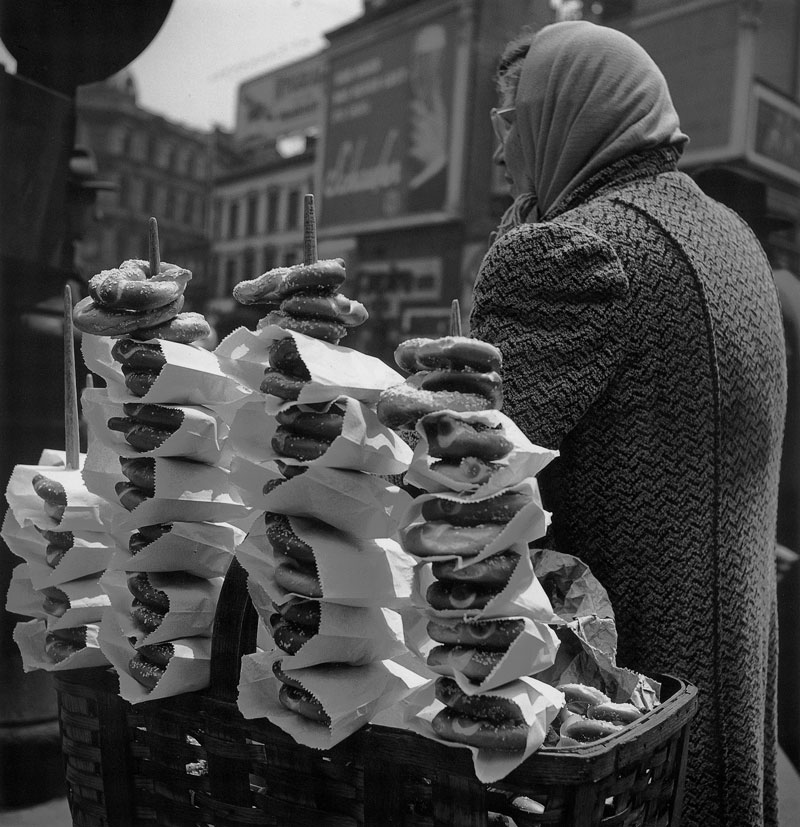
(85, 511)
(185, 491)
(523, 595)
(191, 376)
(86, 598)
(30, 639)
(524, 461)
(353, 571)
(351, 696)
(528, 524)
(192, 605)
(532, 651)
(202, 549)
(22, 598)
(200, 436)
(538, 702)
(347, 634)
(364, 444)
(335, 370)
(187, 671)
(359, 504)
(90, 553)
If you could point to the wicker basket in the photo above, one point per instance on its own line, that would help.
(193, 760)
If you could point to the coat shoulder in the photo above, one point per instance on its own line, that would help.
(557, 260)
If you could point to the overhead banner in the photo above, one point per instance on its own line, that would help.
(390, 121)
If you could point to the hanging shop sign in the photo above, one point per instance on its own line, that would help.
(774, 135)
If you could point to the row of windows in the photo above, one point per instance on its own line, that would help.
(273, 210)
(160, 151)
(162, 200)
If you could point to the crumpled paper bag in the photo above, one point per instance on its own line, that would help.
(524, 461)
(200, 436)
(192, 375)
(538, 702)
(30, 639)
(587, 633)
(350, 695)
(335, 370)
(187, 671)
(364, 444)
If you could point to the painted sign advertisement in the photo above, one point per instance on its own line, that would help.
(286, 101)
(389, 128)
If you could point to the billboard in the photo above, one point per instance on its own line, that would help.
(391, 128)
(284, 102)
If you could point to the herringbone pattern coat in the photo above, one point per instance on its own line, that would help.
(642, 336)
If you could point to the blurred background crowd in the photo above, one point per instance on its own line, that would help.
(385, 118)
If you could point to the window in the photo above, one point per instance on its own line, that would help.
(249, 263)
(293, 210)
(273, 202)
(148, 197)
(162, 154)
(230, 275)
(124, 191)
(233, 219)
(118, 140)
(216, 226)
(169, 203)
(252, 214)
(135, 194)
(138, 146)
(188, 208)
(270, 257)
(290, 258)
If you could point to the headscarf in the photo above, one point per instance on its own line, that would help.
(588, 95)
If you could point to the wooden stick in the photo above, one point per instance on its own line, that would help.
(154, 253)
(455, 318)
(309, 230)
(72, 441)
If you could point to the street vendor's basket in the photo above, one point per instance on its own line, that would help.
(193, 760)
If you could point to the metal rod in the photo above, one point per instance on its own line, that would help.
(153, 250)
(309, 230)
(455, 318)
(72, 442)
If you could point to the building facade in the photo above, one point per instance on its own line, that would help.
(161, 169)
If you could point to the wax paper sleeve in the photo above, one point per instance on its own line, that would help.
(553, 297)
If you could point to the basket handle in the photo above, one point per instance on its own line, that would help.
(233, 635)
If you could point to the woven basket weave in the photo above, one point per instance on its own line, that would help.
(193, 760)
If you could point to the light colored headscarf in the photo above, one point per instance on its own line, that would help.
(588, 95)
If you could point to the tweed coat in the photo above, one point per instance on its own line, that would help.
(642, 337)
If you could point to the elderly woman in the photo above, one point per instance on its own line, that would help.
(642, 337)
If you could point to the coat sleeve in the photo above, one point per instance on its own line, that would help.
(553, 297)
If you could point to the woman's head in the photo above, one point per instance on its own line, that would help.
(583, 96)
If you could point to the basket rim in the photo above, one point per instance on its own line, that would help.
(684, 695)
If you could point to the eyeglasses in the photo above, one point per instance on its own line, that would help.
(502, 121)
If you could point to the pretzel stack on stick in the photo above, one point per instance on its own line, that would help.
(309, 451)
(58, 528)
(157, 453)
(482, 618)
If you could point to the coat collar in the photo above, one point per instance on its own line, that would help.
(635, 167)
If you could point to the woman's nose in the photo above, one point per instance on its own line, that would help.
(498, 156)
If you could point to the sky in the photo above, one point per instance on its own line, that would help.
(191, 70)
